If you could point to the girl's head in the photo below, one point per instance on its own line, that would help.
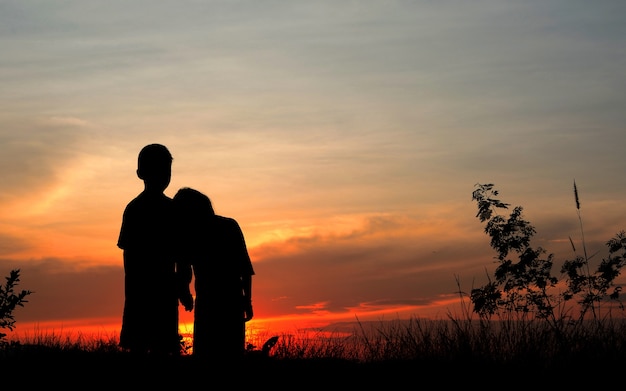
(190, 202)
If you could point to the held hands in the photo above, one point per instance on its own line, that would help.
(187, 301)
(248, 313)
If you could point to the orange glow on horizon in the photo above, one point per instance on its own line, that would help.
(76, 330)
(258, 328)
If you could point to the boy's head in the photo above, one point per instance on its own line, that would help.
(154, 166)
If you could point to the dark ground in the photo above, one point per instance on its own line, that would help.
(34, 369)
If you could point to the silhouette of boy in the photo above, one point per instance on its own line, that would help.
(214, 250)
(150, 317)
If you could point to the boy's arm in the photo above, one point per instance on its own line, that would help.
(247, 297)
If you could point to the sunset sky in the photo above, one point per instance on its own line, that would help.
(346, 138)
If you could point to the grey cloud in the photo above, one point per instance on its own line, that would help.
(10, 244)
(34, 153)
(64, 291)
(347, 274)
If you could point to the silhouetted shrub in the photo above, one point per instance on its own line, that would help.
(9, 299)
(525, 288)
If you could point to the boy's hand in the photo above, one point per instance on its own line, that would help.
(248, 313)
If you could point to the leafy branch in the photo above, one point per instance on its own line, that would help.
(10, 299)
(525, 286)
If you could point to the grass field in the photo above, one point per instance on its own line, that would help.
(408, 354)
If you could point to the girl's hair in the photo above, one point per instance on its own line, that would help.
(192, 201)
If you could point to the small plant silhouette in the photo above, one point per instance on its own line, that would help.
(9, 299)
(526, 287)
(592, 289)
(265, 349)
